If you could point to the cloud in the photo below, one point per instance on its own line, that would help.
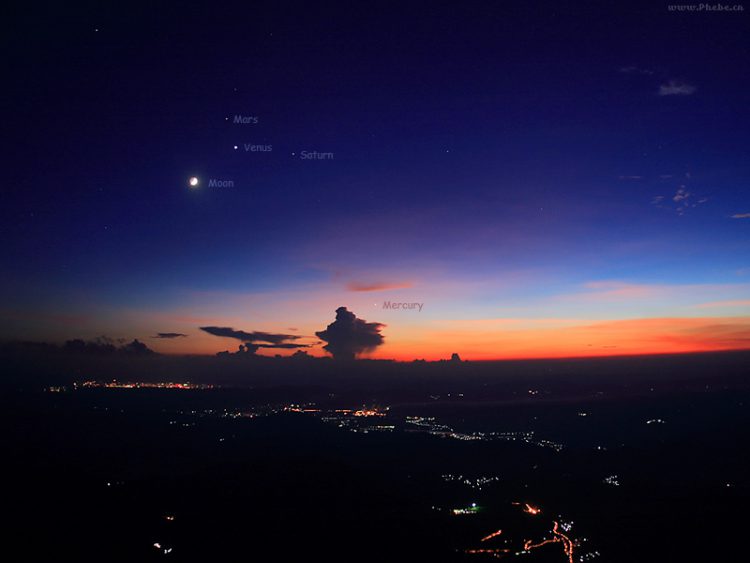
(285, 346)
(681, 194)
(631, 177)
(731, 303)
(275, 339)
(676, 88)
(255, 336)
(349, 336)
(615, 289)
(227, 332)
(136, 348)
(376, 286)
(632, 69)
(682, 200)
(741, 216)
(104, 345)
(169, 335)
(254, 340)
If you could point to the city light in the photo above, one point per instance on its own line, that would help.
(492, 535)
(114, 384)
(531, 509)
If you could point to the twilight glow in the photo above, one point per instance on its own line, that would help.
(535, 201)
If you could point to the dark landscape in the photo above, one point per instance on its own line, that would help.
(637, 467)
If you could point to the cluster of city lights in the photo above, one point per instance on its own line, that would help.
(369, 419)
(613, 480)
(558, 535)
(434, 428)
(477, 483)
(165, 550)
(471, 509)
(114, 384)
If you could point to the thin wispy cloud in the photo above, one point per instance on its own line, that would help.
(676, 88)
(730, 303)
(260, 339)
(615, 289)
(376, 286)
(632, 69)
(741, 216)
(624, 297)
(681, 194)
(169, 335)
(682, 200)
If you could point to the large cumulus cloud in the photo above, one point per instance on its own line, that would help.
(349, 336)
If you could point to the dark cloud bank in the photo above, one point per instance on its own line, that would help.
(107, 346)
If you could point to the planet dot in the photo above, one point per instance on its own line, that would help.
(193, 182)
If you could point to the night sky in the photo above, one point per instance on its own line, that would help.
(545, 179)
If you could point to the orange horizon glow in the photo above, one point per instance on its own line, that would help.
(506, 339)
(520, 339)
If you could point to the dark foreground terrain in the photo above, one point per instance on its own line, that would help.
(552, 467)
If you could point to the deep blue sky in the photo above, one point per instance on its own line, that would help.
(472, 143)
